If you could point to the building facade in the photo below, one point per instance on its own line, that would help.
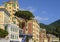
(12, 6)
(9, 22)
(43, 37)
(4, 17)
(32, 28)
(52, 38)
(13, 31)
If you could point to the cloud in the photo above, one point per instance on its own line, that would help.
(40, 18)
(29, 8)
(43, 12)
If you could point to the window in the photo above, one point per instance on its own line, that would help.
(34, 41)
(14, 10)
(37, 36)
(26, 29)
(14, 22)
(10, 4)
(12, 29)
(16, 29)
(12, 36)
(20, 31)
(10, 11)
(9, 7)
(17, 36)
(6, 27)
(17, 5)
(17, 9)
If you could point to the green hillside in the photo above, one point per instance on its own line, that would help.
(53, 28)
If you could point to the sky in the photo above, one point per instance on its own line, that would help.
(45, 11)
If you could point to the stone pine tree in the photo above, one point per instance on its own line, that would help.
(27, 15)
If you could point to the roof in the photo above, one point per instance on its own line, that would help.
(53, 36)
(3, 9)
(11, 2)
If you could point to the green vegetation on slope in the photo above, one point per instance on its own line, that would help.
(53, 28)
(3, 33)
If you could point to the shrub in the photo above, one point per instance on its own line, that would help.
(3, 33)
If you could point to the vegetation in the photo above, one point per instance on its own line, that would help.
(3, 33)
(24, 14)
(53, 28)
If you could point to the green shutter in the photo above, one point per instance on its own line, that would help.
(14, 5)
(5, 5)
(14, 22)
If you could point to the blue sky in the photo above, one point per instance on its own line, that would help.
(45, 11)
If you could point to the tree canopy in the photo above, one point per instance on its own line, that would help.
(24, 14)
(53, 28)
(3, 33)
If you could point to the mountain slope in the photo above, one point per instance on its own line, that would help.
(53, 28)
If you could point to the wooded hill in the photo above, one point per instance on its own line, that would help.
(53, 28)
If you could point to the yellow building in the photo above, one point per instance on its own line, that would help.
(12, 6)
(4, 17)
(8, 21)
(43, 37)
(52, 38)
(33, 29)
(15, 20)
